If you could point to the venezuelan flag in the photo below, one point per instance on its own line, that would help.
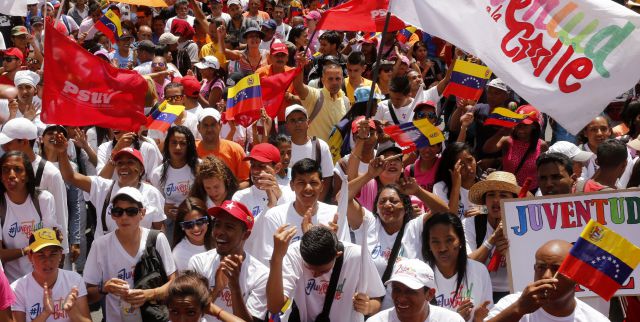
(109, 25)
(244, 97)
(600, 260)
(467, 80)
(295, 8)
(504, 117)
(162, 118)
(404, 34)
(420, 133)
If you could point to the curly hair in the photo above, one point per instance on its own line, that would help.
(212, 167)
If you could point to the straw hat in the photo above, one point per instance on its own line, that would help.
(496, 181)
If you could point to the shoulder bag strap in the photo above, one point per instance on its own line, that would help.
(333, 282)
(393, 113)
(103, 215)
(316, 146)
(3, 209)
(394, 254)
(36, 203)
(39, 171)
(480, 223)
(316, 108)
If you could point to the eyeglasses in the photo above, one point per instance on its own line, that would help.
(297, 121)
(10, 59)
(429, 115)
(541, 267)
(118, 212)
(174, 98)
(158, 65)
(188, 225)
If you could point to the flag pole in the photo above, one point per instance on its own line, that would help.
(376, 68)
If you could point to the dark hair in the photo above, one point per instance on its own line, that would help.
(305, 166)
(582, 136)
(31, 177)
(127, 198)
(191, 153)
(356, 58)
(448, 161)
(557, 158)
(536, 132)
(296, 32)
(332, 37)
(279, 139)
(406, 203)
(318, 246)
(417, 45)
(174, 85)
(611, 153)
(187, 206)
(93, 6)
(452, 220)
(629, 114)
(400, 84)
(51, 128)
(161, 50)
(190, 283)
(212, 167)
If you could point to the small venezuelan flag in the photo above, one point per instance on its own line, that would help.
(600, 260)
(420, 133)
(162, 118)
(504, 117)
(467, 80)
(295, 8)
(404, 34)
(245, 97)
(109, 25)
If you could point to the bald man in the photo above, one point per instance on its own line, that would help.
(547, 298)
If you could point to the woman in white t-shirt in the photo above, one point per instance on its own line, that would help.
(21, 216)
(215, 182)
(192, 235)
(462, 284)
(456, 174)
(49, 293)
(175, 176)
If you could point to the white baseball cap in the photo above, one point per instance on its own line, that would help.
(571, 150)
(499, 84)
(168, 38)
(209, 112)
(293, 108)
(208, 62)
(132, 192)
(18, 129)
(413, 273)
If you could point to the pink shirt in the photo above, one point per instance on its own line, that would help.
(6, 294)
(426, 179)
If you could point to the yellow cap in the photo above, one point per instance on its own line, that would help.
(42, 238)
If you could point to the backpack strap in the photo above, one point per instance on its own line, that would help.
(151, 239)
(412, 170)
(392, 111)
(3, 206)
(36, 203)
(480, 223)
(40, 171)
(333, 283)
(103, 215)
(316, 147)
(316, 107)
(394, 254)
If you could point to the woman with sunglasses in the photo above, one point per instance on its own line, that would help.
(214, 183)
(113, 257)
(247, 61)
(194, 224)
(424, 162)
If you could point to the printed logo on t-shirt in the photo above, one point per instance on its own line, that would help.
(256, 210)
(295, 239)
(124, 275)
(454, 300)
(182, 187)
(25, 227)
(225, 296)
(58, 310)
(321, 287)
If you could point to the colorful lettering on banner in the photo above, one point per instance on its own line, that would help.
(532, 221)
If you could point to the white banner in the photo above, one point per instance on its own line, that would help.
(568, 58)
(15, 7)
(531, 222)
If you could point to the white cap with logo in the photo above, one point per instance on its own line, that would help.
(413, 273)
(295, 108)
(18, 129)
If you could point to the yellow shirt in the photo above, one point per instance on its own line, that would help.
(213, 49)
(350, 90)
(332, 111)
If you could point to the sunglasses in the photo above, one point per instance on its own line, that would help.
(188, 225)
(429, 115)
(118, 212)
(174, 98)
(158, 64)
(10, 59)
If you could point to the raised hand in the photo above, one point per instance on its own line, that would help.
(231, 266)
(281, 240)
(307, 222)
(70, 301)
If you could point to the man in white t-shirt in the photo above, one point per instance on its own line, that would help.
(303, 146)
(398, 108)
(412, 288)
(242, 289)
(306, 183)
(182, 9)
(28, 104)
(265, 192)
(548, 298)
(304, 271)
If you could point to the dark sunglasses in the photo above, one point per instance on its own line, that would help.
(174, 98)
(158, 64)
(188, 225)
(9, 59)
(118, 212)
(429, 115)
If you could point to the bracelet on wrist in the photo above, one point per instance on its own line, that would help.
(217, 314)
(488, 245)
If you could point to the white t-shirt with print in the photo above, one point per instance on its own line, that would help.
(260, 242)
(152, 201)
(436, 314)
(29, 295)
(499, 279)
(20, 221)
(107, 259)
(183, 252)
(177, 184)
(476, 286)
(308, 150)
(412, 239)
(309, 292)
(150, 155)
(581, 313)
(441, 190)
(253, 282)
(256, 200)
(404, 113)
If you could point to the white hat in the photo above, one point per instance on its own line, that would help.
(571, 150)
(26, 77)
(236, 2)
(132, 192)
(208, 62)
(499, 84)
(294, 108)
(18, 129)
(168, 38)
(413, 273)
(209, 112)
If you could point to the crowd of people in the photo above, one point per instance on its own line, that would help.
(214, 221)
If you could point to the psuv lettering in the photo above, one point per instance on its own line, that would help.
(378, 13)
(72, 89)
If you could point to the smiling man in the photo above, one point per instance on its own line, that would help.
(237, 279)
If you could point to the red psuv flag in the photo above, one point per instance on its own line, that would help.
(359, 15)
(81, 89)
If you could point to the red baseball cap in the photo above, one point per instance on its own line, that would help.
(354, 124)
(533, 114)
(236, 210)
(130, 151)
(191, 85)
(13, 51)
(264, 152)
(278, 47)
(425, 103)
